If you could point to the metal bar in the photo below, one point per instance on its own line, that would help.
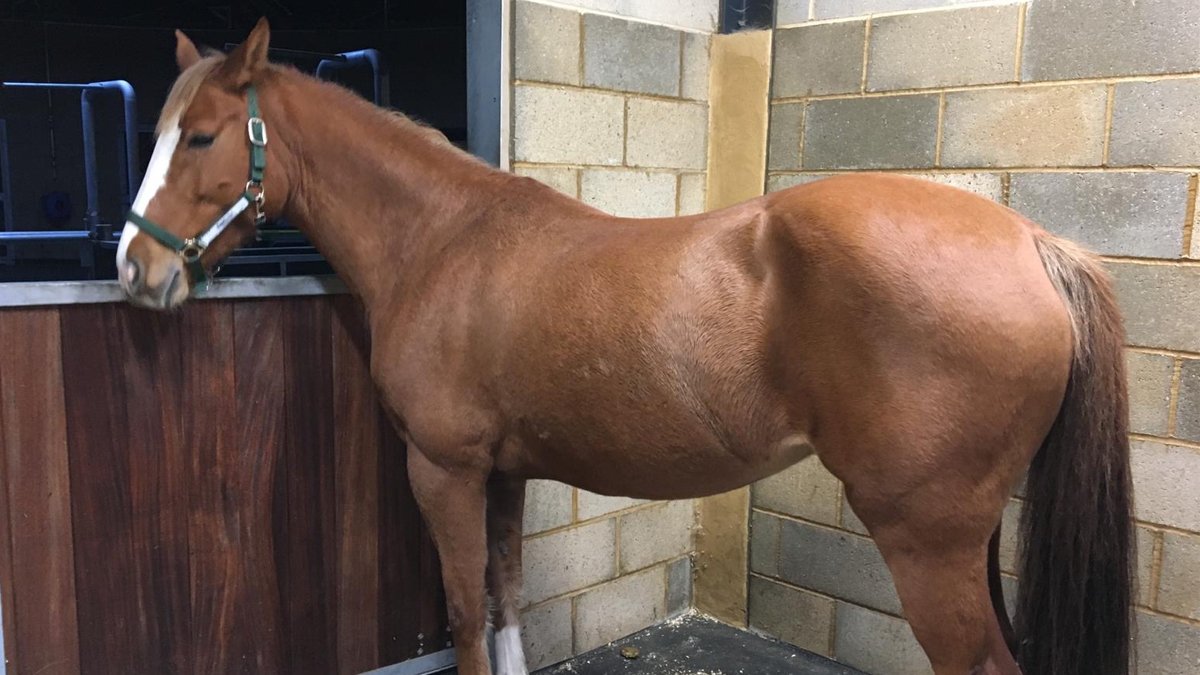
(436, 662)
(369, 57)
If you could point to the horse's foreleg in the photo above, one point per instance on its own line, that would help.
(453, 504)
(506, 506)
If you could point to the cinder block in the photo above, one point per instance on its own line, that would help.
(836, 563)
(547, 505)
(679, 586)
(1167, 646)
(1166, 480)
(656, 533)
(1187, 417)
(1042, 126)
(1149, 391)
(871, 133)
(630, 193)
(1129, 214)
(564, 180)
(783, 181)
(692, 190)
(1154, 123)
(1160, 304)
(800, 618)
(877, 643)
(788, 12)
(805, 490)
(1010, 528)
(988, 185)
(545, 43)
(621, 607)
(592, 505)
(820, 59)
(546, 633)
(850, 520)
(783, 145)
(1146, 540)
(630, 56)
(1068, 39)
(695, 66)
(943, 49)
(666, 134)
(562, 126)
(764, 543)
(568, 560)
(836, 9)
(1178, 592)
(699, 16)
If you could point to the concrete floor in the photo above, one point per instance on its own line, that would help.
(695, 645)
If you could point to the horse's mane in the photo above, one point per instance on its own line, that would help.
(189, 81)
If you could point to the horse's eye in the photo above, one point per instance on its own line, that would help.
(200, 141)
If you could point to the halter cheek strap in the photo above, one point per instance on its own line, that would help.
(190, 250)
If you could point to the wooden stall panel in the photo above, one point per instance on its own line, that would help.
(214, 490)
(38, 573)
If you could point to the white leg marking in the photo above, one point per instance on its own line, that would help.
(155, 178)
(510, 656)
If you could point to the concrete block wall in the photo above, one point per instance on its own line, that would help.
(610, 110)
(1083, 114)
(609, 105)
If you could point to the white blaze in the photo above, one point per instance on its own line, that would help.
(156, 177)
(510, 657)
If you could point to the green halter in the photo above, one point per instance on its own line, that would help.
(190, 250)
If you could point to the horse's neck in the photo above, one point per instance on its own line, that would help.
(378, 197)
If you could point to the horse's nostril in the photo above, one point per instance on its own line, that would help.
(133, 274)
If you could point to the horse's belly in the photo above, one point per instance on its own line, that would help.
(655, 469)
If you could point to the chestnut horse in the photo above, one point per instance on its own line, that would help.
(930, 346)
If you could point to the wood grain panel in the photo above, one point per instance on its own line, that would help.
(307, 577)
(356, 451)
(225, 494)
(159, 473)
(261, 426)
(110, 605)
(40, 591)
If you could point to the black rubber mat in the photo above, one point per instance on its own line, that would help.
(695, 645)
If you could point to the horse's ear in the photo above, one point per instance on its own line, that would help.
(186, 54)
(249, 58)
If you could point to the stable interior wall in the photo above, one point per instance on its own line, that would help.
(1081, 114)
(608, 105)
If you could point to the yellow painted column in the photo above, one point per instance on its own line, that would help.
(739, 95)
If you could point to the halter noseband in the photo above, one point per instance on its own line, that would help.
(190, 250)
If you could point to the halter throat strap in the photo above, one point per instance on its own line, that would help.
(192, 249)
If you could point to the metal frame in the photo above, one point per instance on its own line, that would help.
(738, 15)
(5, 191)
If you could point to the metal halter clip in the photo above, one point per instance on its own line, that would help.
(191, 251)
(256, 129)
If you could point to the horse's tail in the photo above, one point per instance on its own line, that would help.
(1075, 599)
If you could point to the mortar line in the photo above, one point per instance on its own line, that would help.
(625, 134)
(1164, 352)
(812, 9)
(1173, 397)
(591, 89)
(1170, 262)
(866, 55)
(1020, 41)
(1156, 557)
(966, 168)
(582, 41)
(1176, 442)
(996, 85)
(679, 89)
(1006, 189)
(1166, 529)
(823, 594)
(1189, 220)
(805, 521)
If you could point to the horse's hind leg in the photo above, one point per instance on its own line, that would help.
(453, 504)
(506, 506)
(937, 550)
